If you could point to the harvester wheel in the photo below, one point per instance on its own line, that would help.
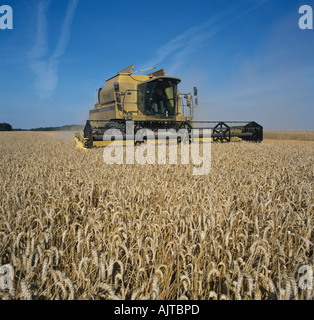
(115, 125)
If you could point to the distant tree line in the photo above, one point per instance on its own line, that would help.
(73, 127)
(5, 127)
(63, 128)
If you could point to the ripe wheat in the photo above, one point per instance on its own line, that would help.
(72, 227)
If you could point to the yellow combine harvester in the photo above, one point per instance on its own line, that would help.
(153, 102)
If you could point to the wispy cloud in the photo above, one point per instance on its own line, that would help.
(182, 45)
(46, 68)
(272, 86)
(179, 50)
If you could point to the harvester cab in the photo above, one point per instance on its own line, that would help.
(153, 102)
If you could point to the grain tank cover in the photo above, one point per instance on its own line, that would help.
(127, 70)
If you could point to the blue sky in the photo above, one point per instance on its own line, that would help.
(248, 58)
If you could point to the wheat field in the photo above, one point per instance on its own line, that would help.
(72, 227)
(299, 135)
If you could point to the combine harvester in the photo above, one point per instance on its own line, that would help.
(153, 102)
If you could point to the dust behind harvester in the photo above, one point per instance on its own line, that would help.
(154, 102)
